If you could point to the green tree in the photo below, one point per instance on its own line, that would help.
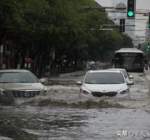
(57, 34)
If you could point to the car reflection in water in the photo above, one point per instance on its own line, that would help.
(19, 83)
(104, 83)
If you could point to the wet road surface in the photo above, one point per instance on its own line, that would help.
(64, 115)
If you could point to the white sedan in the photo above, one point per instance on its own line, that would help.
(104, 83)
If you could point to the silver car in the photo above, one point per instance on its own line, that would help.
(128, 78)
(19, 83)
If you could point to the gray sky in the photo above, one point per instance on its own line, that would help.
(143, 4)
(140, 4)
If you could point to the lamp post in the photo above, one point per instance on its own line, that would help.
(1, 56)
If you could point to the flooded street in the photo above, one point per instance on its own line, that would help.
(62, 114)
(69, 124)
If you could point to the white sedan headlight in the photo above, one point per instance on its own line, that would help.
(124, 91)
(84, 91)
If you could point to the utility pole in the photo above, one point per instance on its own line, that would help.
(1, 56)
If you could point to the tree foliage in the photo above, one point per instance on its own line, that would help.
(56, 33)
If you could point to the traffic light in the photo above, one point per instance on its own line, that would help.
(131, 8)
(122, 25)
(147, 48)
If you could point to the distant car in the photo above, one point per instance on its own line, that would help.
(104, 83)
(126, 75)
(91, 65)
(20, 83)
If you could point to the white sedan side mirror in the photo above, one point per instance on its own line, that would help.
(79, 82)
(130, 82)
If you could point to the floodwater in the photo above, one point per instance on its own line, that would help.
(64, 115)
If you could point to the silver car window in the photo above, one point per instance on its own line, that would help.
(18, 77)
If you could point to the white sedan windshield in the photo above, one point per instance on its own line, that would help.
(104, 78)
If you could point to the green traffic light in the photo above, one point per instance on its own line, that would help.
(148, 48)
(130, 13)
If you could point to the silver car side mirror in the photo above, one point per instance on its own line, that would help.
(131, 76)
(43, 80)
